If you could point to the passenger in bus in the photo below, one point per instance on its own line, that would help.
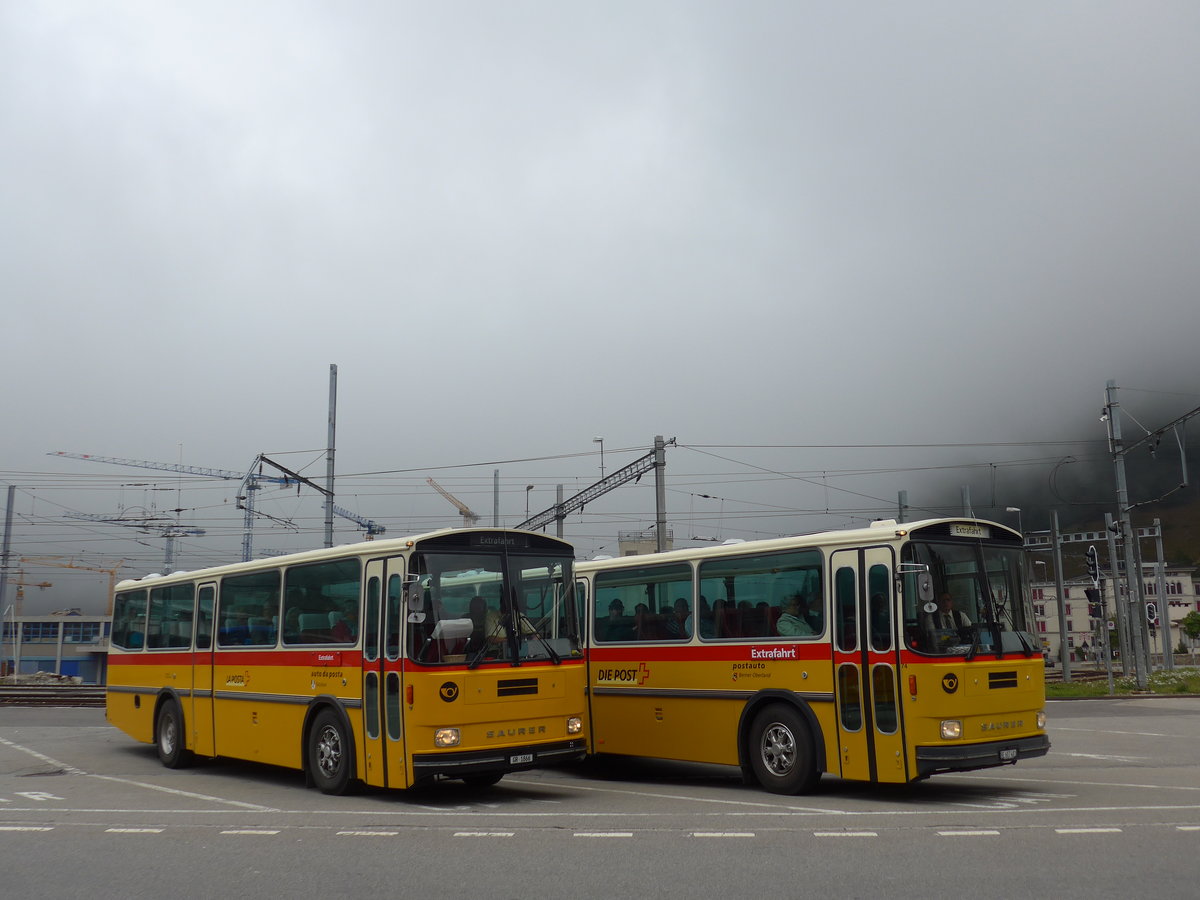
(341, 632)
(616, 627)
(678, 623)
(793, 621)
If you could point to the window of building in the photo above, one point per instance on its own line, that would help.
(41, 632)
(81, 632)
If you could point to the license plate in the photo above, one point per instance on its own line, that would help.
(1008, 754)
(522, 758)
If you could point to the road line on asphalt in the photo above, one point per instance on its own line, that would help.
(251, 831)
(26, 828)
(134, 830)
(982, 832)
(604, 834)
(469, 834)
(723, 834)
(845, 834)
(70, 770)
(1087, 830)
(178, 793)
(368, 833)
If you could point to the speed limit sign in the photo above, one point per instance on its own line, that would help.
(1151, 613)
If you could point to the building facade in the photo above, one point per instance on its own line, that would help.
(69, 645)
(1080, 629)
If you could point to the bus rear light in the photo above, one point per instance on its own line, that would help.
(912, 685)
(574, 725)
(951, 729)
(446, 737)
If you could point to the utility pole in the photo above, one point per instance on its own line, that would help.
(1133, 575)
(1064, 650)
(329, 456)
(902, 504)
(1164, 605)
(660, 493)
(1119, 605)
(8, 517)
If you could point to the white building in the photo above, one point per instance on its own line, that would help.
(1182, 595)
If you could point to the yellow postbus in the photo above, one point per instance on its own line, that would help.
(452, 654)
(883, 654)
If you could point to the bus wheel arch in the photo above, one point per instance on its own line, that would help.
(780, 743)
(170, 735)
(328, 752)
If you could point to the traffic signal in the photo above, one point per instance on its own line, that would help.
(1093, 565)
(1095, 602)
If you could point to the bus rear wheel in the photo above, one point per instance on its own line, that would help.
(329, 753)
(781, 751)
(169, 736)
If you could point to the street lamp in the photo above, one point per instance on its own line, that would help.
(1017, 510)
(600, 441)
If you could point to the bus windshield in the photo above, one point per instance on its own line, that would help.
(484, 607)
(979, 602)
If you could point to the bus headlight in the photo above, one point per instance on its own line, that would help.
(574, 725)
(951, 729)
(1041, 719)
(446, 737)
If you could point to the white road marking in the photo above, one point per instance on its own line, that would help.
(25, 828)
(251, 831)
(976, 833)
(723, 834)
(604, 834)
(50, 761)
(484, 833)
(134, 830)
(845, 834)
(1087, 830)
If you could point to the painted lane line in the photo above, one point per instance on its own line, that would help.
(48, 760)
(25, 828)
(484, 833)
(369, 833)
(1187, 827)
(134, 830)
(845, 834)
(604, 834)
(178, 793)
(251, 831)
(1087, 830)
(978, 833)
(723, 834)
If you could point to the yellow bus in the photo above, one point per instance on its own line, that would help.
(454, 654)
(883, 654)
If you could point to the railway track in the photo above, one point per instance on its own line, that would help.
(51, 695)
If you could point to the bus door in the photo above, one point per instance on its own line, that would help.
(865, 657)
(383, 726)
(200, 716)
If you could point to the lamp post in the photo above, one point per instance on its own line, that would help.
(600, 441)
(1017, 510)
(528, 488)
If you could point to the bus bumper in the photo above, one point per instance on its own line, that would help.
(505, 759)
(962, 758)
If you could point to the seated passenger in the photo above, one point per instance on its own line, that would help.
(793, 622)
(616, 627)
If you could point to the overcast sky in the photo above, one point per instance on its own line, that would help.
(514, 227)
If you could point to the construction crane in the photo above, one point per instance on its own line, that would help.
(146, 524)
(469, 517)
(249, 484)
(57, 562)
(21, 583)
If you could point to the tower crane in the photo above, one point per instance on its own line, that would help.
(21, 583)
(249, 484)
(468, 515)
(146, 524)
(110, 570)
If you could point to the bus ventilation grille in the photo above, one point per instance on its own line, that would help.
(514, 686)
(1002, 680)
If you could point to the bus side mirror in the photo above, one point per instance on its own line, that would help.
(923, 579)
(414, 595)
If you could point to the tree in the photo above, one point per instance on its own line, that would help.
(1191, 625)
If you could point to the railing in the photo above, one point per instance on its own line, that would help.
(51, 695)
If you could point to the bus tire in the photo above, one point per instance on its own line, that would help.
(169, 736)
(781, 751)
(329, 753)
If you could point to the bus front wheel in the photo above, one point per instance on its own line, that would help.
(169, 736)
(329, 753)
(781, 751)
